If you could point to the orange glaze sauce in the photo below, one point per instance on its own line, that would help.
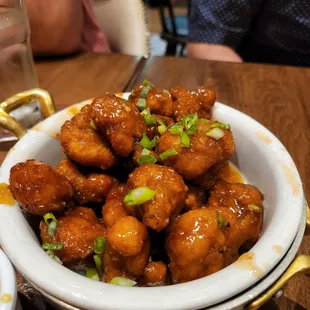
(230, 174)
(6, 196)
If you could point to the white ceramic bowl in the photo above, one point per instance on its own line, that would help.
(261, 158)
(8, 290)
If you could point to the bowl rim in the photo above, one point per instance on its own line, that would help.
(79, 291)
(7, 282)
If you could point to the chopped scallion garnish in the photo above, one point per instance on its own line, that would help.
(51, 223)
(220, 125)
(162, 128)
(138, 196)
(166, 91)
(146, 159)
(177, 128)
(92, 124)
(185, 140)
(92, 273)
(147, 143)
(54, 256)
(99, 245)
(145, 152)
(163, 156)
(98, 263)
(190, 120)
(221, 221)
(148, 117)
(141, 104)
(216, 133)
(123, 282)
(255, 208)
(53, 246)
(147, 83)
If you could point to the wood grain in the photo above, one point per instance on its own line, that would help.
(277, 97)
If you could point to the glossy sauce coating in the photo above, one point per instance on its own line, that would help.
(84, 144)
(77, 230)
(119, 121)
(170, 194)
(88, 187)
(203, 153)
(38, 188)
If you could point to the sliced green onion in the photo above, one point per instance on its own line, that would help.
(147, 143)
(190, 120)
(52, 246)
(163, 156)
(98, 263)
(148, 117)
(54, 256)
(162, 128)
(216, 133)
(99, 245)
(192, 130)
(166, 91)
(92, 124)
(221, 221)
(177, 128)
(255, 208)
(147, 83)
(204, 120)
(92, 273)
(49, 217)
(146, 159)
(138, 196)
(141, 104)
(220, 125)
(51, 228)
(51, 223)
(123, 282)
(145, 152)
(185, 140)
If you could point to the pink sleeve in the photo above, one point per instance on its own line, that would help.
(93, 38)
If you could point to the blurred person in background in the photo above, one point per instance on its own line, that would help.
(268, 31)
(62, 27)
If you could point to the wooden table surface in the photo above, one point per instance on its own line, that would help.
(278, 97)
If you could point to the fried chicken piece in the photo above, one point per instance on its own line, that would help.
(155, 274)
(132, 267)
(158, 101)
(199, 101)
(127, 236)
(241, 209)
(195, 198)
(76, 230)
(221, 171)
(203, 153)
(209, 179)
(84, 144)
(194, 245)
(115, 208)
(169, 198)
(38, 188)
(119, 120)
(91, 187)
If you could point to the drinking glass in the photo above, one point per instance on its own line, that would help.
(17, 72)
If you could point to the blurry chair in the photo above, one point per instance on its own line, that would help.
(124, 23)
(174, 28)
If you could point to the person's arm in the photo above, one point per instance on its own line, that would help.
(216, 27)
(212, 52)
(56, 26)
